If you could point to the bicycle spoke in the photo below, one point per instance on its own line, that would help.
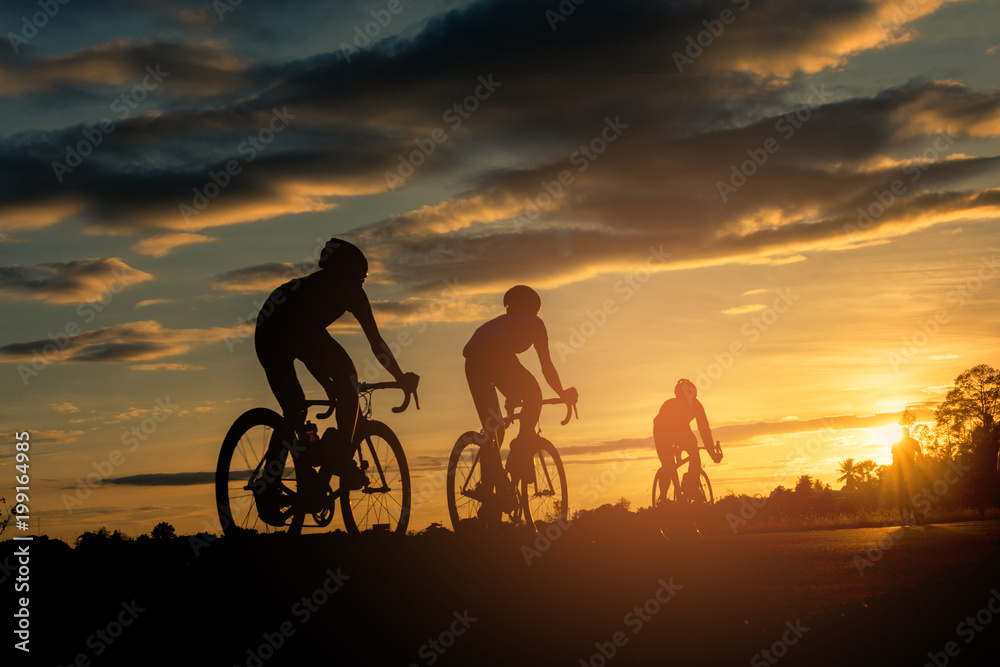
(384, 501)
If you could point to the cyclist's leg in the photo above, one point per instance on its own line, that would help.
(480, 374)
(328, 362)
(692, 478)
(279, 366)
(517, 383)
(277, 357)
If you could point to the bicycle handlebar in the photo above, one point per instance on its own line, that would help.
(570, 409)
(409, 389)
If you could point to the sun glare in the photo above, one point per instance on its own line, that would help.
(885, 435)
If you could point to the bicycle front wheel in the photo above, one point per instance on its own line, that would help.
(384, 503)
(706, 487)
(546, 499)
(242, 470)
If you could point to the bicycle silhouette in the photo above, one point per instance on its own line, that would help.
(679, 502)
(481, 493)
(301, 473)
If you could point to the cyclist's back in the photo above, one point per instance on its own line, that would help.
(312, 302)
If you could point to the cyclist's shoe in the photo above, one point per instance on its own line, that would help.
(691, 488)
(270, 502)
(353, 477)
(521, 459)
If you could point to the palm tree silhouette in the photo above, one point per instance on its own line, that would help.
(866, 470)
(850, 473)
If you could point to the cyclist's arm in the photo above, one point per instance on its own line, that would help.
(549, 371)
(362, 310)
(703, 430)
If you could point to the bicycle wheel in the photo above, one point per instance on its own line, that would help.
(241, 469)
(465, 481)
(665, 500)
(706, 487)
(467, 490)
(384, 503)
(545, 500)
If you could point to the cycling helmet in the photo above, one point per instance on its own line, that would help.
(685, 389)
(347, 257)
(521, 299)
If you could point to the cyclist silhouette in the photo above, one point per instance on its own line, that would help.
(905, 455)
(491, 364)
(671, 431)
(292, 325)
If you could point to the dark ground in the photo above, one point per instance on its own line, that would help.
(732, 597)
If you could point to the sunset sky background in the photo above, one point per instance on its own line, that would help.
(649, 270)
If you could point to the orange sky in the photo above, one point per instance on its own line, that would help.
(801, 221)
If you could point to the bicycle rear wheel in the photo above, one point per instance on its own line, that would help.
(546, 500)
(473, 499)
(466, 489)
(384, 503)
(672, 510)
(241, 470)
(665, 500)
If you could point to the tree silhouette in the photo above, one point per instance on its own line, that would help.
(101, 537)
(163, 531)
(970, 411)
(5, 515)
(804, 485)
(849, 474)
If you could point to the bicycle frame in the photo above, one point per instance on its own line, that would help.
(365, 391)
(483, 477)
(513, 416)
